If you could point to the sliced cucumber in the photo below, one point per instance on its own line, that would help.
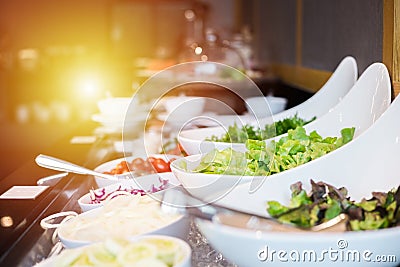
(98, 254)
(135, 252)
(115, 246)
(167, 250)
(69, 257)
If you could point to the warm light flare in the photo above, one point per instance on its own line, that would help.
(89, 86)
(6, 221)
(28, 54)
(198, 50)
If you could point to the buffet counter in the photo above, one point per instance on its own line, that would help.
(23, 242)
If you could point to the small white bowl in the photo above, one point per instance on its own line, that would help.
(114, 105)
(120, 122)
(105, 223)
(184, 250)
(143, 182)
(265, 106)
(183, 108)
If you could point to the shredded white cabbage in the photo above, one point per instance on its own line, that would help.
(120, 217)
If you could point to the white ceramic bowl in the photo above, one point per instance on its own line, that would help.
(370, 94)
(248, 248)
(183, 108)
(120, 121)
(266, 106)
(119, 106)
(143, 182)
(121, 113)
(109, 165)
(183, 249)
(115, 221)
(114, 105)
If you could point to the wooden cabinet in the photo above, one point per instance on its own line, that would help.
(302, 41)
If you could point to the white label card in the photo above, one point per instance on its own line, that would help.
(23, 192)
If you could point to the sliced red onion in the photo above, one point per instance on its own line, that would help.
(100, 195)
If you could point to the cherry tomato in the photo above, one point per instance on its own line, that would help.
(122, 167)
(114, 171)
(150, 165)
(160, 165)
(169, 163)
(147, 166)
(138, 164)
(151, 160)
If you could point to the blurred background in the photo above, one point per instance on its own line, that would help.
(59, 58)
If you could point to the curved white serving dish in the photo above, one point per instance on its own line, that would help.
(338, 85)
(361, 107)
(259, 105)
(367, 164)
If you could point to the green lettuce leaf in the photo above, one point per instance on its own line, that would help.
(236, 134)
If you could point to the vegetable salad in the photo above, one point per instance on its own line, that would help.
(325, 202)
(151, 251)
(236, 134)
(290, 151)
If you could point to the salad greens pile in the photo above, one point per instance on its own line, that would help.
(261, 159)
(325, 202)
(236, 134)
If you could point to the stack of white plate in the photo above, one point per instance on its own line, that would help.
(118, 113)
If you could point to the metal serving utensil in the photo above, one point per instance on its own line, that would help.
(65, 166)
(178, 200)
(52, 179)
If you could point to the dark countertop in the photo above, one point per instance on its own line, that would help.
(20, 243)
